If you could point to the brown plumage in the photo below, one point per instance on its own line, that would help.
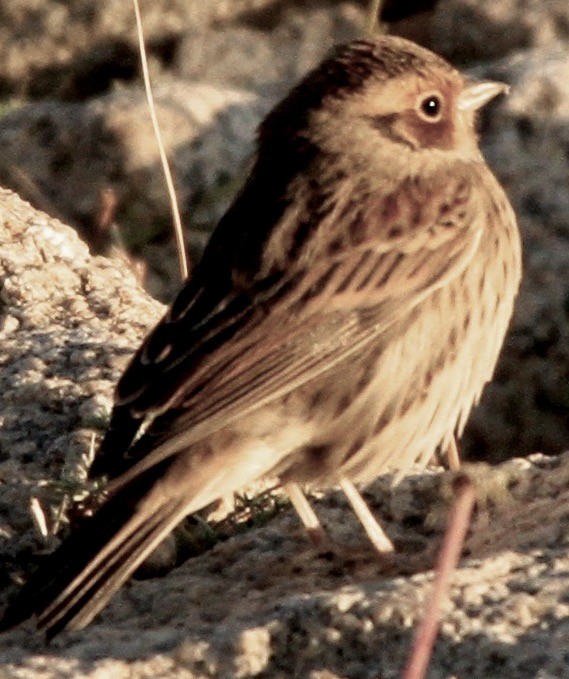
(344, 318)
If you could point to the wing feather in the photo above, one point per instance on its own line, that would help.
(254, 348)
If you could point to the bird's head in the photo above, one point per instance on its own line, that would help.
(380, 106)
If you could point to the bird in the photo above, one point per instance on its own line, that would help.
(343, 320)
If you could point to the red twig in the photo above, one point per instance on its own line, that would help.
(447, 561)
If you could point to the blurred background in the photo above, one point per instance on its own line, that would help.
(76, 141)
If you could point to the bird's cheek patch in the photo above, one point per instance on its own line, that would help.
(424, 134)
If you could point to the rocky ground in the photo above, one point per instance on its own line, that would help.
(75, 140)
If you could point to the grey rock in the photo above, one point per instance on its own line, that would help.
(76, 50)
(475, 30)
(72, 323)
(268, 49)
(64, 157)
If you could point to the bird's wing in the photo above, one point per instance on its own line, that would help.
(198, 372)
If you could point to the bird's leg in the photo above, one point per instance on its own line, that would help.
(453, 458)
(374, 531)
(311, 522)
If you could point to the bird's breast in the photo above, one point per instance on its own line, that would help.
(391, 406)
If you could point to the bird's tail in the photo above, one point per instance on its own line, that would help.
(79, 578)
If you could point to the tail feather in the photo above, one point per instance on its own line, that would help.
(75, 582)
(91, 590)
(79, 578)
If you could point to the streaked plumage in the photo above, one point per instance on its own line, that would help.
(344, 318)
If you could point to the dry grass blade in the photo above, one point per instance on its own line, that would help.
(178, 230)
(39, 518)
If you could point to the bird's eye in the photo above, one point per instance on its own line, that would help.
(430, 107)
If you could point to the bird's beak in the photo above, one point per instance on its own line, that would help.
(478, 93)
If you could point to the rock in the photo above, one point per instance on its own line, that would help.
(467, 31)
(270, 48)
(68, 157)
(71, 323)
(78, 50)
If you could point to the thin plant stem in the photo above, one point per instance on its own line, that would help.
(447, 561)
(178, 230)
